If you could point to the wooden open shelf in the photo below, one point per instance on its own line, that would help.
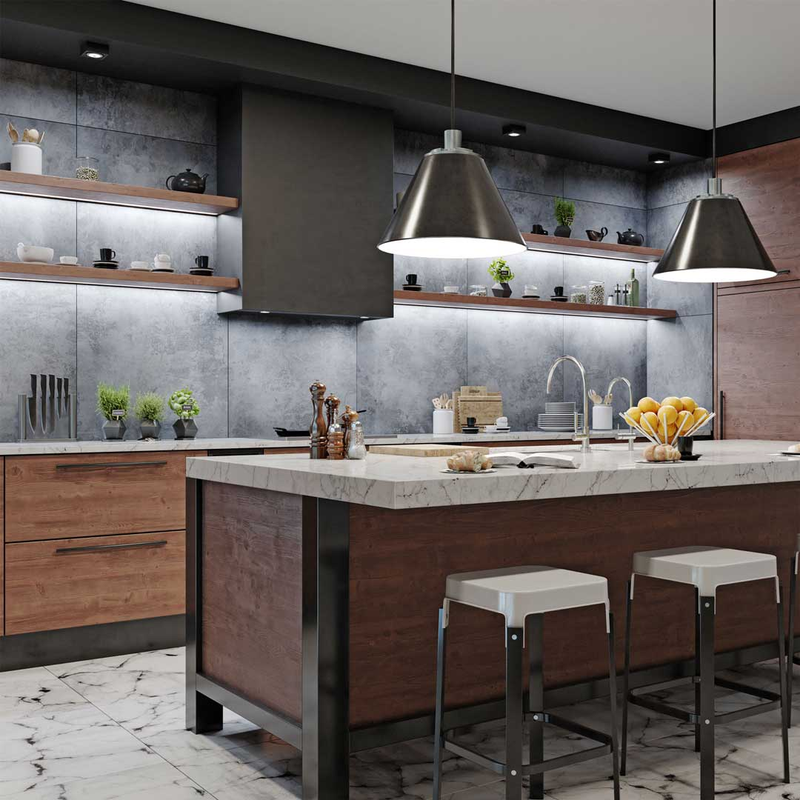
(583, 247)
(406, 298)
(56, 273)
(114, 194)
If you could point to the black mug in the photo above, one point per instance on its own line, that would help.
(411, 279)
(686, 445)
(107, 254)
(538, 229)
(202, 262)
(558, 291)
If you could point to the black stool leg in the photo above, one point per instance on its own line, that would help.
(626, 680)
(438, 732)
(707, 761)
(513, 713)
(536, 702)
(697, 668)
(612, 691)
(790, 654)
(783, 666)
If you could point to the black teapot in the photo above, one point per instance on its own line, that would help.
(630, 237)
(187, 182)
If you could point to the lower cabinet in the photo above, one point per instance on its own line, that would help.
(68, 583)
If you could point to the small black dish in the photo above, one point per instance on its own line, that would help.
(287, 432)
(557, 298)
(201, 271)
(106, 265)
(692, 457)
(465, 429)
(412, 287)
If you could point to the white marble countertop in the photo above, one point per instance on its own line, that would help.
(165, 445)
(398, 482)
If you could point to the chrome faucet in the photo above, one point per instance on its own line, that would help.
(631, 434)
(583, 437)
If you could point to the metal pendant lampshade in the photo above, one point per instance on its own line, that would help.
(715, 243)
(452, 209)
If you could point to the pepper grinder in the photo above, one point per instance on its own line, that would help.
(319, 427)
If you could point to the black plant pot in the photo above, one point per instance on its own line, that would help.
(185, 428)
(150, 429)
(504, 291)
(114, 429)
(563, 230)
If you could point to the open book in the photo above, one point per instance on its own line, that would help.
(510, 459)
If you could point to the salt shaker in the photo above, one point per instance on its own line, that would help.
(356, 449)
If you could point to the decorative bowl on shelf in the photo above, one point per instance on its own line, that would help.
(34, 254)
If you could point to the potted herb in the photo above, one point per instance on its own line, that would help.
(149, 410)
(502, 274)
(112, 403)
(565, 216)
(186, 407)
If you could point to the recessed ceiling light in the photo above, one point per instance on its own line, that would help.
(658, 158)
(514, 130)
(94, 50)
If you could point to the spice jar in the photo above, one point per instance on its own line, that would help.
(477, 290)
(597, 293)
(578, 294)
(86, 169)
(356, 448)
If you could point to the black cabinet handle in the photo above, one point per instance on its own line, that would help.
(113, 465)
(721, 414)
(94, 548)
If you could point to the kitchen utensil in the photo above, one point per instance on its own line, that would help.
(70, 260)
(597, 236)
(201, 262)
(594, 397)
(51, 411)
(107, 254)
(164, 257)
(34, 254)
(26, 157)
(558, 294)
(284, 432)
(560, 407)
(630, 237)
(411, 279)
(187, 181)
(319, 426)
(30, 135)
(602, 417)
(12, 133)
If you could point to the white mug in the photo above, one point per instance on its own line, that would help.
(163, 257)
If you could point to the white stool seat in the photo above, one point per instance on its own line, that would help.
(705, 567)
(517, 592)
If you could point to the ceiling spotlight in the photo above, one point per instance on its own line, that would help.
(658, 158)
(513, 130)
(94, 50)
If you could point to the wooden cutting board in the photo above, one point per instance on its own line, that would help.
(422, 450)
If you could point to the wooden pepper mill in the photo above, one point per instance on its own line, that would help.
(335, 432)
(319, 427)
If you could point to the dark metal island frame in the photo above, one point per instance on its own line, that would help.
(313, 586)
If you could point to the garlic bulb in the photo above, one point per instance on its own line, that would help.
(469, 461)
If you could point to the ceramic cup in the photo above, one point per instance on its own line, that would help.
(538, 229)
(202, 262)
(450, 289)
(163, 257)
(107, 254)
(558, 291)
(68, 260)
(411, 279)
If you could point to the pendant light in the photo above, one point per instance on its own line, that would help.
(715, 241)
(452, 208)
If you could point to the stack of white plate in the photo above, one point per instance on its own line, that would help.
(560, 408)
(559, 417)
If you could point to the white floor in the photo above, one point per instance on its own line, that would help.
(113, 728)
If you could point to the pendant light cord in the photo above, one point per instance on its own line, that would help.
(453, 64)
(714, 90)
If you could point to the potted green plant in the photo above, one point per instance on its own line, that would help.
(502, 274)
(186, 407)
(149, 410)
(565, 216)
(112, 403)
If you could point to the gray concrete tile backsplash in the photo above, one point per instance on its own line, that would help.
(677, 184)
(39, 221)
(31, 90)
(58, 150)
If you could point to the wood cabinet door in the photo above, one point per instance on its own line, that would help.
(68, 583)
(758, 364)
(51, 497)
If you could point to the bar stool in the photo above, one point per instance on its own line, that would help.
(523, 595)
(792, 659)
(705, 568)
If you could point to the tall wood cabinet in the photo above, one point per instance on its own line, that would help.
(757, 325)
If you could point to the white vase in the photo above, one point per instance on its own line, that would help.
(443, 421)
(602, 418)
(26, 157)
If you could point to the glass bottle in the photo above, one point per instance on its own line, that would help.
(633, 297)
(356, 449)
(86, 168)
(578, 294)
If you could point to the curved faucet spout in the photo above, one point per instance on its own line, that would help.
(631, 435)
(584, 435)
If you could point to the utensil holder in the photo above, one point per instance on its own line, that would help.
(443, 419)
(602, 418)
(26, 157)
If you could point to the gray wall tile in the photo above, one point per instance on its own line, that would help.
(594, 216)
(152, 340)
(37, 335)
(544, 270)
(602, 184)
(410, 147)
(528, 209)
(521, 171)
(677, 184)
(661, 224)
(688, 299)
(679, 358)
(580, 270)
(118, 105)
(406, 361)
(36, 220)
(433, 273)
(58, 150)
(145, 160)
(272, 364)
(512, 353)
(31, 90)
(607, 348)
(137, 234)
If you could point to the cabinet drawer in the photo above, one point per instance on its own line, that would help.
(51, 497)
(73, 582)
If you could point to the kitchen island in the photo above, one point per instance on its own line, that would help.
(313, 586)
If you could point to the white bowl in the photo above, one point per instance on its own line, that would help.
(69, 260)
(33, 253)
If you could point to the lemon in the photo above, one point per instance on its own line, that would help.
(685, 421)
(649, 422)
(635, 413)
(688, 403)
(675, 402)
(667, 413)
(648, 404)
(700, 413)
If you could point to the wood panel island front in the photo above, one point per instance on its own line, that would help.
(313, 587)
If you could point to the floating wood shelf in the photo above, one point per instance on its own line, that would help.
(583, 247)
(56, 273)
(115, 194)
(406, 298)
